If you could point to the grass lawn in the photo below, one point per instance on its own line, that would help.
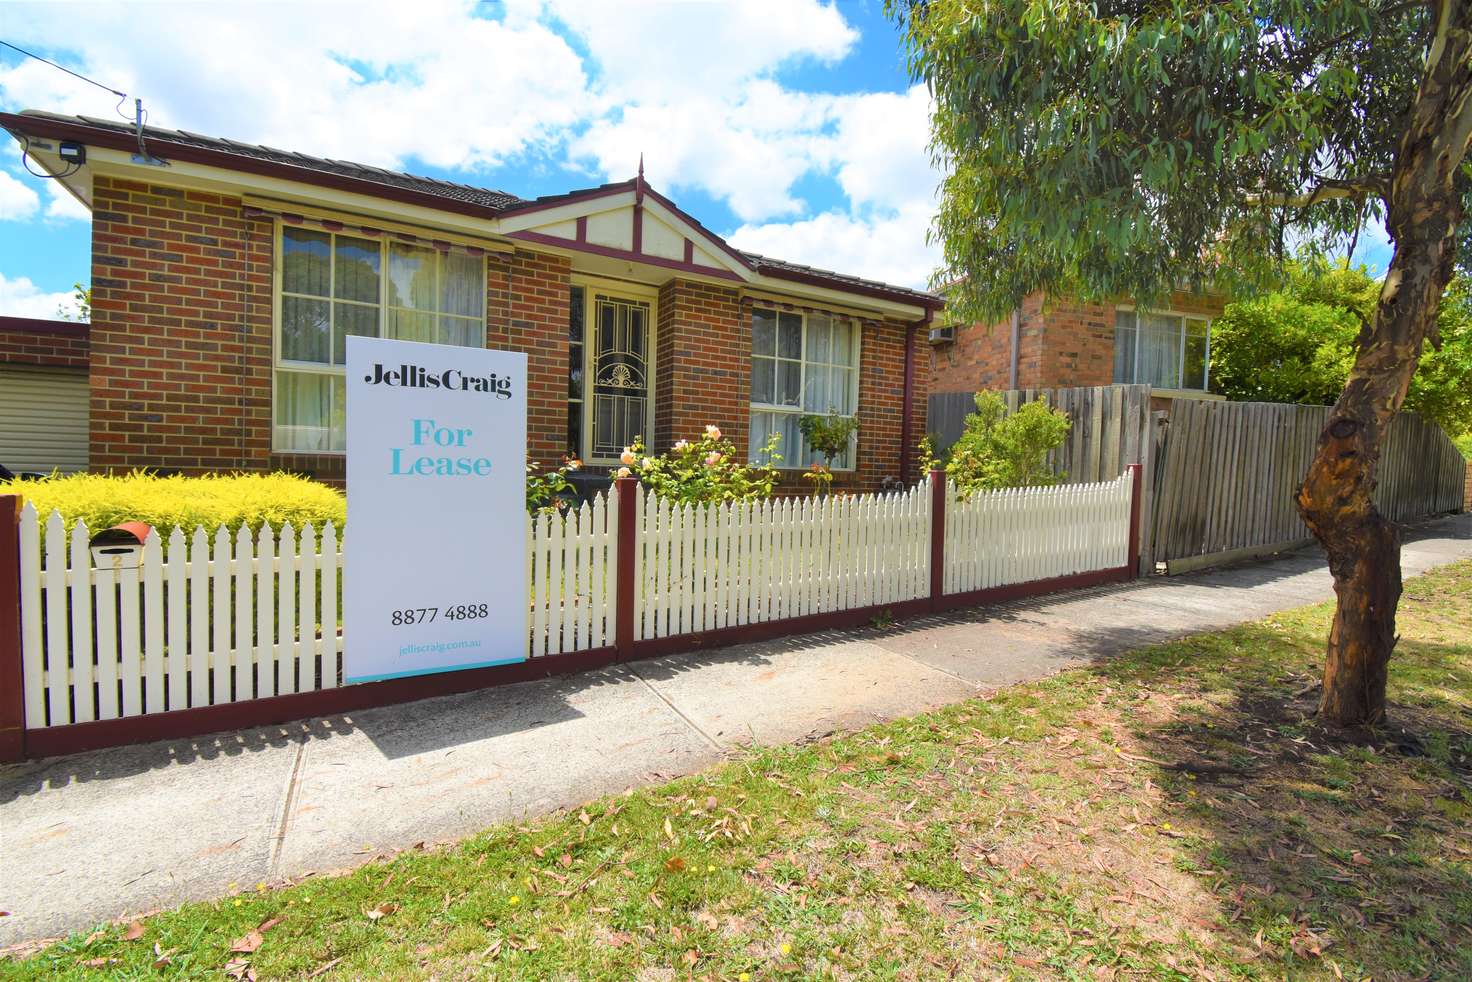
(1175, 813)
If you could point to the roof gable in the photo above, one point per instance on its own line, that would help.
(627, 220)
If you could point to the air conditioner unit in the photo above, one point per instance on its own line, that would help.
(939, 335)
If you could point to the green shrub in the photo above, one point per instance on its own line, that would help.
(231, 500)
(1464, 444)
(1001, 450)
(703, 471)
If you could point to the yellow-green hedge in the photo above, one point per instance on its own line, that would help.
(231, 500)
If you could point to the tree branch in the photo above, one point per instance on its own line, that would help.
(1327, 189)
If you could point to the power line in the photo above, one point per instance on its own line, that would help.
(32, 54)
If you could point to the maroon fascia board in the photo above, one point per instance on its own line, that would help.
(165, 148)
(634, 257)
(38, 325)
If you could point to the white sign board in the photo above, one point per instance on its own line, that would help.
(435, 575)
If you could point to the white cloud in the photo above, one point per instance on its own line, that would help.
(18, 203)
(19, 297)
(693, 86)
(378, 85)
(877, 152)
(657, 51)
(63, 205)
(889, 247)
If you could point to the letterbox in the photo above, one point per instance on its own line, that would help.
(120, 547)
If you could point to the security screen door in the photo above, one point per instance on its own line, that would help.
(620, 373)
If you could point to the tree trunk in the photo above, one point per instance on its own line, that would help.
(1423, 209)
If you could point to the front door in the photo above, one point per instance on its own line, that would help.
(620, 373)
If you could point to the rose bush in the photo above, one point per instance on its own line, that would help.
(704, 470)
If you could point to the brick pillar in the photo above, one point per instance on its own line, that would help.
(701, 372)
(529, 296)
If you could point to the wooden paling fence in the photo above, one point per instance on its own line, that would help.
(1219, 476)
(1227, 474)
(225, 631)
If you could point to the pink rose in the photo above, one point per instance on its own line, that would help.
(680, 445)
(714, 432)
(624, 472)
(627, 458)
(712, 459)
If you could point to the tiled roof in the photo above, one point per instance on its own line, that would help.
(497, 201)
(780, 266)
(410, 182)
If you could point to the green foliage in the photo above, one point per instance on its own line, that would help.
(1117, 149)
(1002, 450)
(704, 470)
(1297, 344)
(211, 501)
(543, 490)
(821, 478)
(830, 435)
(81, 304)
(1464, 444)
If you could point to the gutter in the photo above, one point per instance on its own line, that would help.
(34, 126)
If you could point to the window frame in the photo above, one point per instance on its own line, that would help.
(753, 406)
(280, 364)
(1184, 317)
(617, 290)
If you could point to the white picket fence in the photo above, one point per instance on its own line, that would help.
(228, 618)
(748, 562)
(222, 619)
(1004, 537)
(573, 564)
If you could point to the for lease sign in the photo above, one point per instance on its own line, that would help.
(435, 562)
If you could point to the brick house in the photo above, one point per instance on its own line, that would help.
(1067, 344)
(225, 277)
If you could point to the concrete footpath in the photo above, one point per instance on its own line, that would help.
(121, 832)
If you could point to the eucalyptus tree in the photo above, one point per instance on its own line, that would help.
(1129, 147)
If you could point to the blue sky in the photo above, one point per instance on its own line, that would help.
(789, 126)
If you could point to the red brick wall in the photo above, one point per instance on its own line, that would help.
(980, 357)
(701, 364)
(528, 300)
(178, 357)
(1059, 344)
(63, 345)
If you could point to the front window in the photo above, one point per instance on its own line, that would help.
(333, 285)
(1162, 350)
(801, 363)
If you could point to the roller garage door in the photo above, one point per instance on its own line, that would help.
(43, 418)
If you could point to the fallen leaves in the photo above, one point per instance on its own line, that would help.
(248, 944)
(134, 931)
(383, 910)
